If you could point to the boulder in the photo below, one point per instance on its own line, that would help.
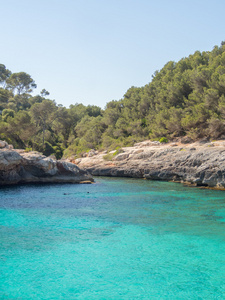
(20, 167)
(3, 144)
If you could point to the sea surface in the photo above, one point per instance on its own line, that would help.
(115, 239)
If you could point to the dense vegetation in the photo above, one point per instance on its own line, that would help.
(186, 98)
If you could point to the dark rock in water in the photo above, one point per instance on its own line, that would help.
(20, 167)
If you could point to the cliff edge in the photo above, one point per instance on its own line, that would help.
(199, 164)
(17, 166)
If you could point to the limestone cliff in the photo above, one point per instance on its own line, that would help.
(200, 164)
(17, 166)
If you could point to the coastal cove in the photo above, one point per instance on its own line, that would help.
(120, 238)
(112, 150)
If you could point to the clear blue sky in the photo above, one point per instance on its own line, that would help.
(92, 51)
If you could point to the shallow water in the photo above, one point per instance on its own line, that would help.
(115, 239)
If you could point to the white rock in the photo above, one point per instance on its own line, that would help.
(3, 144)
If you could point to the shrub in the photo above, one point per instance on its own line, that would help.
(163, 140)
(118, 151)
(108, 156)
(48, 149)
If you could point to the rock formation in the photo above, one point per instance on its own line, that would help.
(17, 166)
(200, 164)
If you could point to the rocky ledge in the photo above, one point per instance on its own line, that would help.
(17, 166)
(199, 164)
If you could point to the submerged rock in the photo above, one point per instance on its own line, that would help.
(33, 167)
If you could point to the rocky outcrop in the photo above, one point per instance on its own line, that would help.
(200, 164)
(17, 166)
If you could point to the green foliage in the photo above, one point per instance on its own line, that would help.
(5, 96)
(44, 114)
(21, 82)
(108, 156)
(4, 74)
(6, 113)
(184, 98)
(44, 93)
(118, 151)
(163, 140)
(58, 151)
(48, 149)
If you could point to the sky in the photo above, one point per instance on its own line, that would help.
(93, 51)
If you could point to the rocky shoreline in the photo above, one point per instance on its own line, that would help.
(199, 164)
(18, 166)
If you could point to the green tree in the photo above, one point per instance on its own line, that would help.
(4, 74)
(5, 96)
(21, 82)
(44, 114)
(6, 113)
(44, 93)
(23, 127)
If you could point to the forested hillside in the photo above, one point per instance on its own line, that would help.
(186, 98)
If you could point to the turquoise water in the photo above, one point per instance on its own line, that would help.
(115, 239)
